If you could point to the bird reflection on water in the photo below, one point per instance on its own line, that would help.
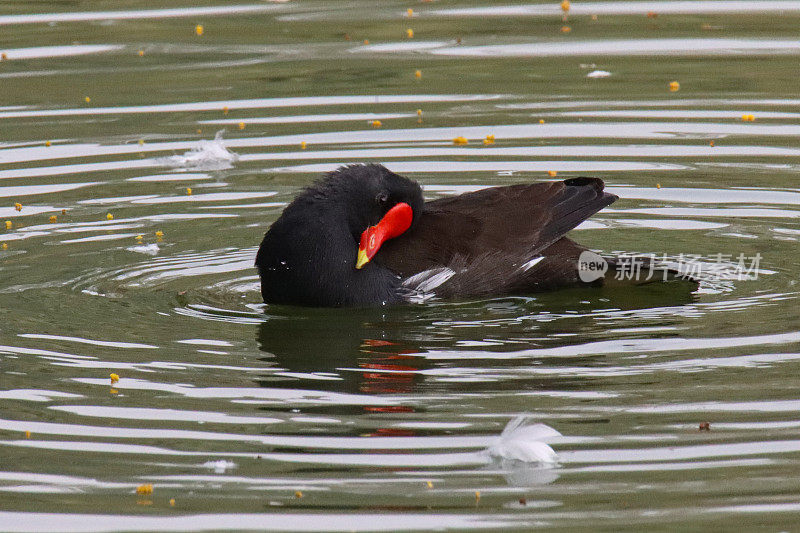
(383, 351)
(380, 343)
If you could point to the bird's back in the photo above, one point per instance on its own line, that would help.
(499, 240)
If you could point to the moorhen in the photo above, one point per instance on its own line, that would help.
(364, 236)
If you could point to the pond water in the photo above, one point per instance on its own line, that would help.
(242, 416)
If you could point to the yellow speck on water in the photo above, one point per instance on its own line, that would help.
(4, 246)
(172, 502)
(47, 143)
(489, 139)
(303, 145)
(419, 112)
(366, 41)
(674, 86)
(565, 6)
(460, 140)
(109, 216)
(18, 206)
(141, 53)
(241, 125)
(141, 142)
(159, 234)
(376, 124)
(53, 219)
(147, 488)
(198, 29)
(139, 238)
(594, 17)
(748, 118)
(658, 185)
(114, 377)
(477, 496)
(87, 99)
(63, 211)
(188, 191)
(410, 33)
(552, 173)
(429, 484)
(27, 434)
(565, 29)
(711, 144)
(410, 12)
(541, 121)
(3, 56)
(225, 110)
(9, 224)
(418, 74)
(113, 391)
(298, 494)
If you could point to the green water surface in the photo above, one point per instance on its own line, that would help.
(243, 416)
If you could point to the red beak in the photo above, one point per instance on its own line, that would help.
(394, 223)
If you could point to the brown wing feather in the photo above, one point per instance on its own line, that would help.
(498, 225)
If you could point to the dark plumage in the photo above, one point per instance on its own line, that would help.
(476, 244)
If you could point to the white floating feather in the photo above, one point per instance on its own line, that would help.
(523, 440)
(205, 155)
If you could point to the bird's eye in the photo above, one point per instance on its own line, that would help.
(382, 197)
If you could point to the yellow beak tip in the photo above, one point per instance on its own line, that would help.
(362, 259)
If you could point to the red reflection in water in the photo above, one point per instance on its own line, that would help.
(376, 342)
(392, 432)
(396, 375)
